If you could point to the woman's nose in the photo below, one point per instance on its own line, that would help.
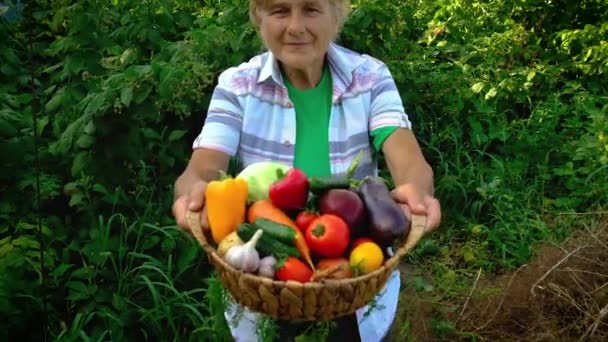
(295, 24)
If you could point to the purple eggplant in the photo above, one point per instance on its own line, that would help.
(387, 221)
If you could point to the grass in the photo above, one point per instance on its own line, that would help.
(154, 278)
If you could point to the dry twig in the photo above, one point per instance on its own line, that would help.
(502, 300)
(553, 268)
(593, 327)
(596, 238)
(469, 297)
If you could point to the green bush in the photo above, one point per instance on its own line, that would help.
(508, 99)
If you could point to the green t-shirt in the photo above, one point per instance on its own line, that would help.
(313, 109)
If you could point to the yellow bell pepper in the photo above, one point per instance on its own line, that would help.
(226, 201)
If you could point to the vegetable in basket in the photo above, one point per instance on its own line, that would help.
(319, 185)
(347, 205)
(333, 268)
(267, 244)
(260, 176)
(228, 242)
(328, 236)
(290, 191)
(265, 209)
(304, 218)
(366, 258)
(277, 230)
(245, 257)
(387, 221)
(293, 269)
(226, 201)
(267, 267)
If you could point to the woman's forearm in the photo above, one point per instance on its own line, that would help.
(406, 162)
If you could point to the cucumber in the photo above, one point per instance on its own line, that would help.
(277, 230)
(267, 245)
(319, 185)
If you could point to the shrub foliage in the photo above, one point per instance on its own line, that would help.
(100, 101)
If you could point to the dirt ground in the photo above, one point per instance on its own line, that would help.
(562, 295)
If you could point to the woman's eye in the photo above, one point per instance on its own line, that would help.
(279, 11)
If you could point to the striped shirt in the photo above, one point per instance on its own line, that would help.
(251, 115)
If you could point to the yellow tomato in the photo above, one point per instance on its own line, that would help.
(366, 257)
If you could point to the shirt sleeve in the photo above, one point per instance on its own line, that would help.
(379, 136)
(222, 127)
(386, 104)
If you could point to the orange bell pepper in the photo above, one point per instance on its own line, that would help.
(226, 201)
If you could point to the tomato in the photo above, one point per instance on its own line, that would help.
(293, 269)
(366, 258)
(341, 265)
(328, 236)
(304, 219)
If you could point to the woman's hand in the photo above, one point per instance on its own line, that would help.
(412, 176)
(412, 200)
(190, 186)
(191, 201)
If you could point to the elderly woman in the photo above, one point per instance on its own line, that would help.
(311, 104)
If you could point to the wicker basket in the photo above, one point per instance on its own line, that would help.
(325, 299)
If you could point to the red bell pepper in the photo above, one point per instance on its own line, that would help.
(290, 191)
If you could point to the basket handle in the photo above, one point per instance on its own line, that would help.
(194, 222)
(417, 230)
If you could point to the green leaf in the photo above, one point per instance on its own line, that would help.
(177, 134)
(61, 146)
(89, 128)
(126, 95)
(79, 163)
(141, 70)
(167, 245)
(55, 101)
(60, 270)
(128, 56)
(150, 242)
(166, 84)
(95, 104)
(26, 242)
(5, 250)
(80, 290)
(142, 93)
(149, 133)
(85, 141)
(42, 122)
(491, 93)
(187, 258)
(478, 87)
(100, 188)
(76, 199)
(83, 273)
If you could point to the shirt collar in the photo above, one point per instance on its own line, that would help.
(342, 63)
(270, 69)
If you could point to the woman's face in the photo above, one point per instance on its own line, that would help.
(298, 32)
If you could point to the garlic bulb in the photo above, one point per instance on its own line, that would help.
(245, 257)
(267, 266)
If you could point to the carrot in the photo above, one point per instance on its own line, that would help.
(265, 209)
